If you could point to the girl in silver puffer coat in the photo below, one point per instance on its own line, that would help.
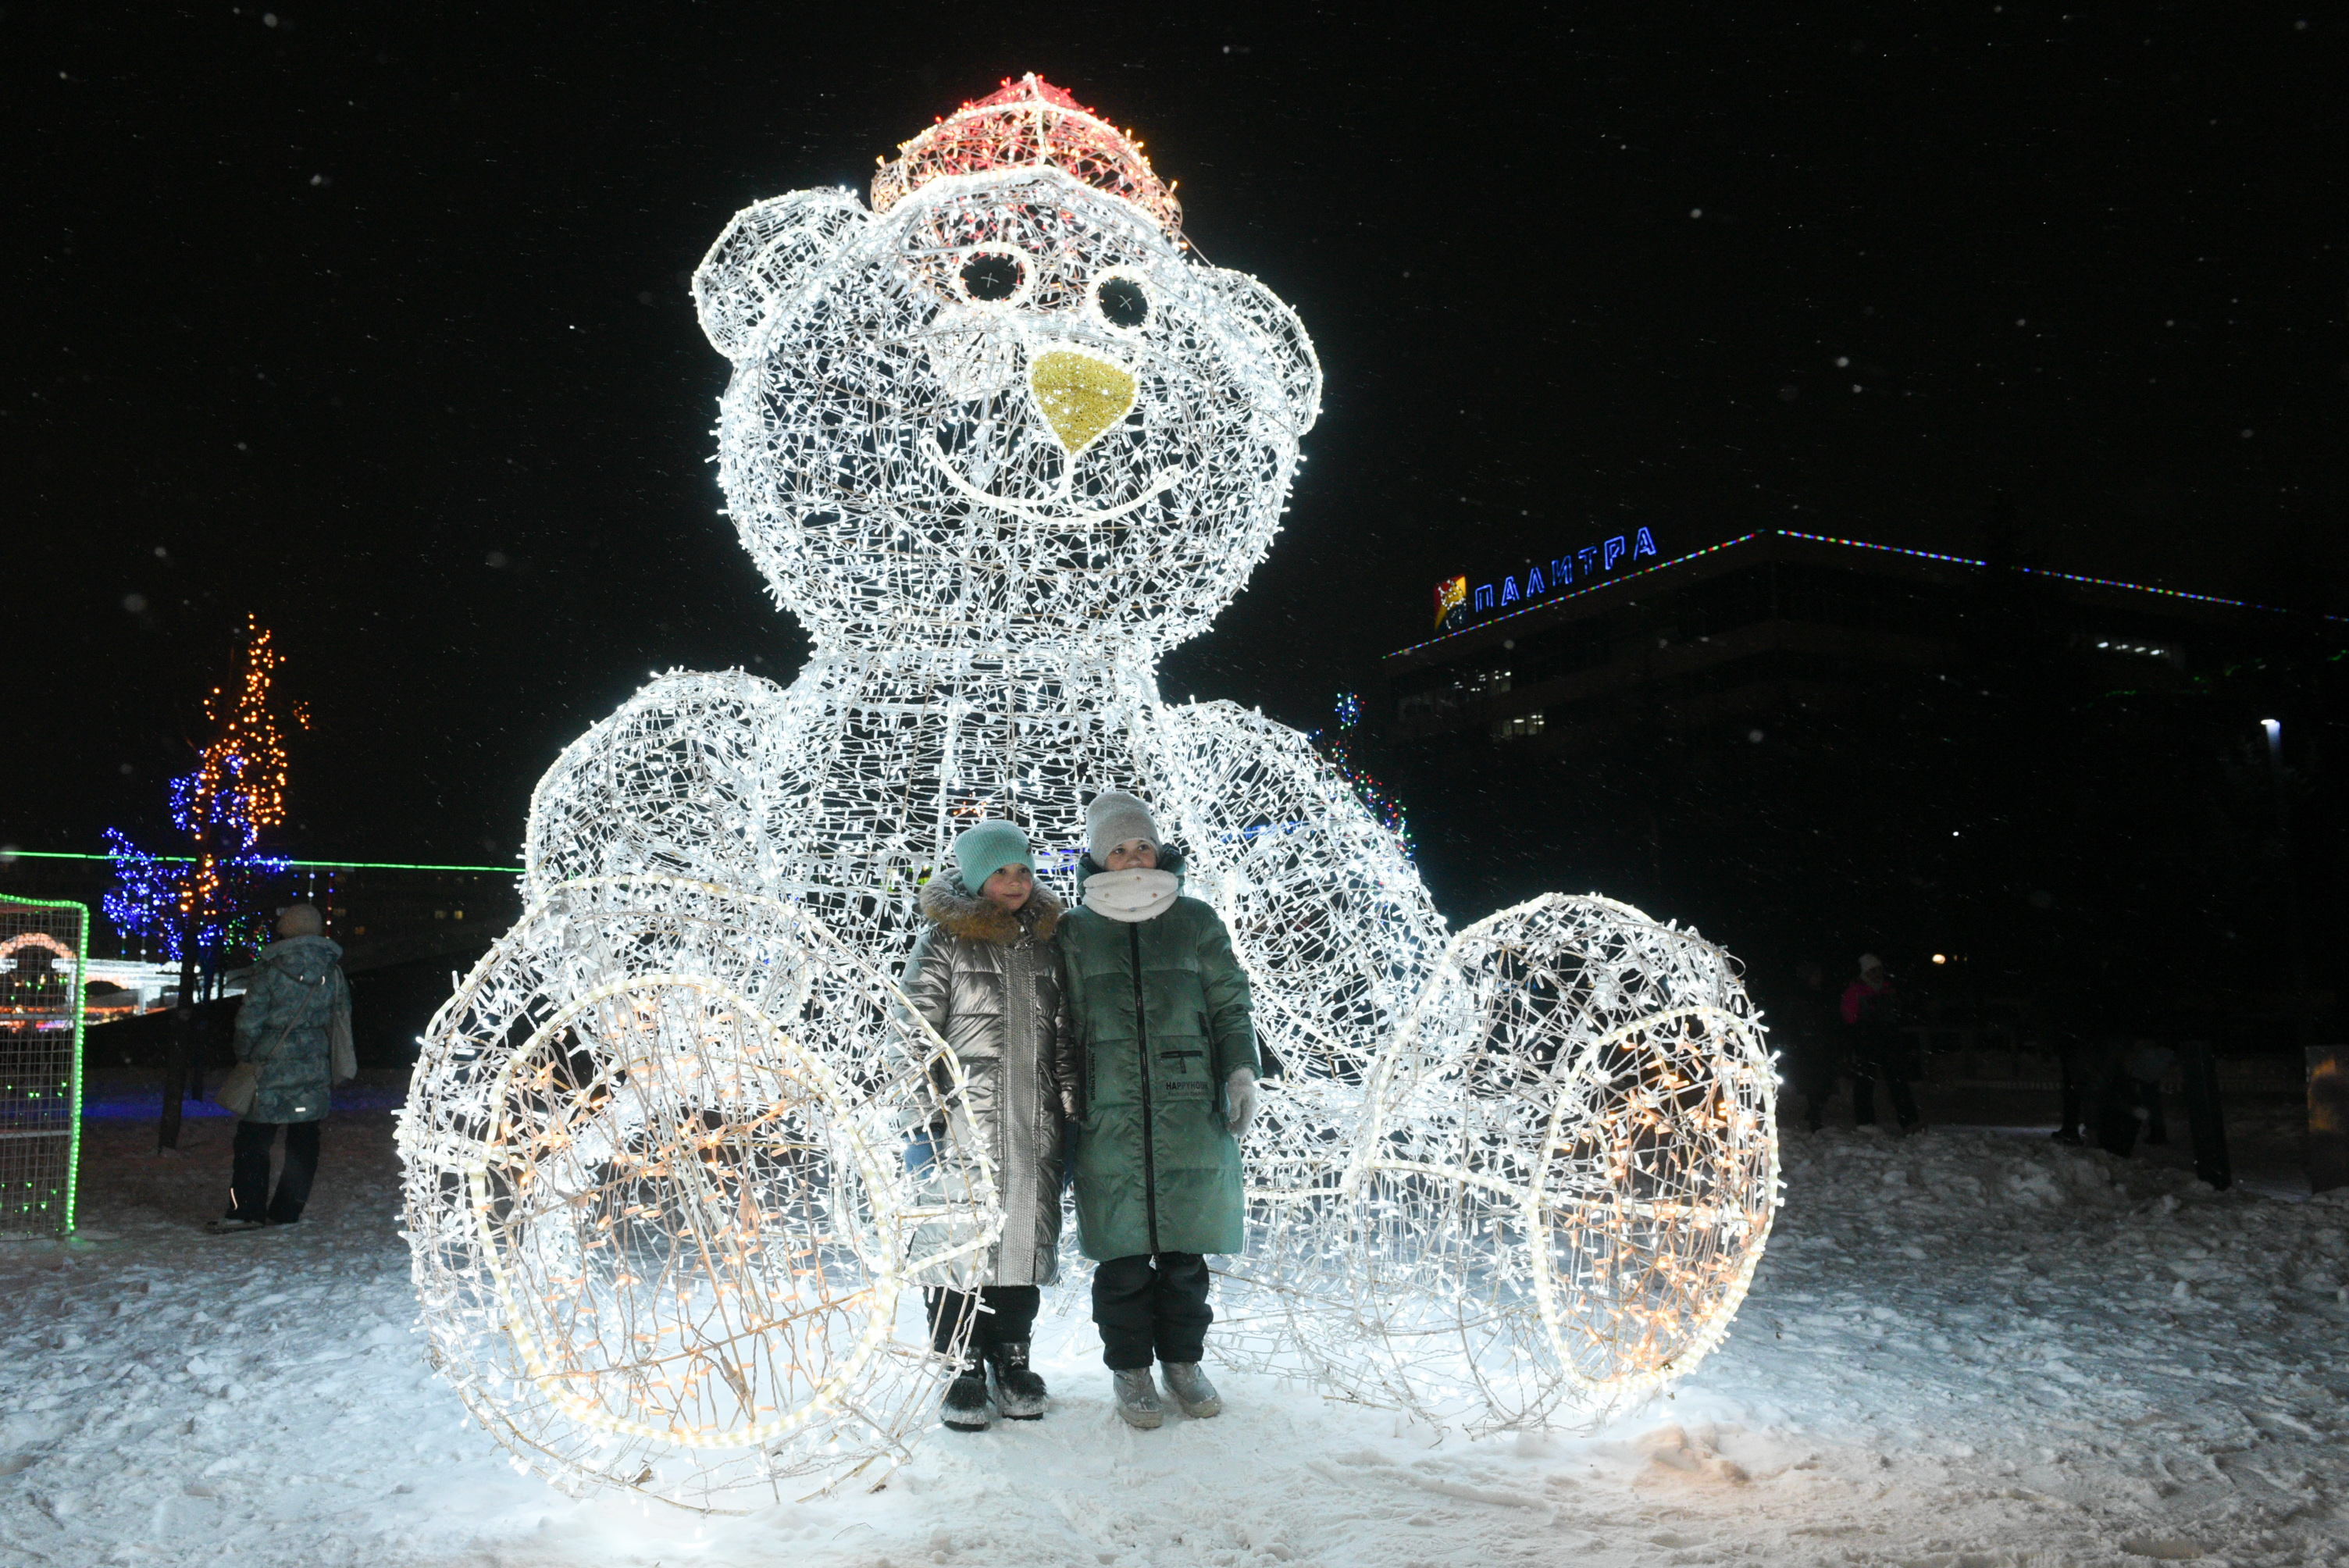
(982, 975)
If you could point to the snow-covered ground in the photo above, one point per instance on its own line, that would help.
(1972, 1347)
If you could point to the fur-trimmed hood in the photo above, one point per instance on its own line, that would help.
(960, 914)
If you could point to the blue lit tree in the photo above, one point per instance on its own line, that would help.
(206, 898)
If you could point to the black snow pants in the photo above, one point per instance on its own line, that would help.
(1151, 1304)
(249, 1172)
(1876, 1054)
(1813, 1071)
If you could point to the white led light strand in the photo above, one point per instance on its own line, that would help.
(658, 1198)
(999, 441)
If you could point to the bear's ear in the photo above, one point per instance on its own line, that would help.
(766, 253)
(1283, 339)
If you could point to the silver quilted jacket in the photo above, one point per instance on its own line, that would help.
(984, 979)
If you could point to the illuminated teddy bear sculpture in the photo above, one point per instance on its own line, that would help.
(998, 440)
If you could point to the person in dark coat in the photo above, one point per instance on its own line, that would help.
(1872, 1013)
(983, 975)
(297, 995)
(1158, 1070)
(2149, 1061)
(2085, 1064)
(1815, 1058)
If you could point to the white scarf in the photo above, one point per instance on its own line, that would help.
(1136, 894)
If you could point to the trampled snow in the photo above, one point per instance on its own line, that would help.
(1968, 1347)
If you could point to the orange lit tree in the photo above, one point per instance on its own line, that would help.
(207, 899)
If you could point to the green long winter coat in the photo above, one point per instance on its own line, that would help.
(294, 992)
(1155, 1017)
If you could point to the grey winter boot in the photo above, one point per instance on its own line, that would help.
(965, 1404)
(1137, 1399)
(1189, 1385)
(1018, 1392)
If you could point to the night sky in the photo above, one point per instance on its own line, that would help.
(372, 322)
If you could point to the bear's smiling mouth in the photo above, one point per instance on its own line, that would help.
(1162, 481)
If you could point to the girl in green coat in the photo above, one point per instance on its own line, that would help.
(1157, 1068)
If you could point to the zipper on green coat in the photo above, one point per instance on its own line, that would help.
(1141, 1059)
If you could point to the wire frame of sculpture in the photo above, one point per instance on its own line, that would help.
(658, 1201)
(997, 441)
(1029, 121)
(1566, 1174)
(843, 791)
(1010, 414)
(1339, 938)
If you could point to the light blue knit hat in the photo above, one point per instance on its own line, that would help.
(986, 849)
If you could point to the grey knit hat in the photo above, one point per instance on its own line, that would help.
(1113, 818)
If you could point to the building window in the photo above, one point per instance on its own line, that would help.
(1518, 725)
(2139, 647)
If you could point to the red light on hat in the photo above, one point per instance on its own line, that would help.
(1030, 123)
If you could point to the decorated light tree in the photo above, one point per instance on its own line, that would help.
(206, 899)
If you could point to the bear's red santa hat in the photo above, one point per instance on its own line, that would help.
(1028, 123)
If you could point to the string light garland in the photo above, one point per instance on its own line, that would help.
(1562, 1182)
(1386, 807)
(236, 789)
(999, 440)
(656, 1199)
(239, 785)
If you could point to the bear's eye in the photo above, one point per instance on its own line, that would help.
(1122, 301)
(993, 275)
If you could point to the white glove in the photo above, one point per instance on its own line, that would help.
(1241, 1095)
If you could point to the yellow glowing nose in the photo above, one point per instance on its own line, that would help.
(1081, 396)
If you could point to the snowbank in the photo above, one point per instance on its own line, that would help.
(1967, 1349)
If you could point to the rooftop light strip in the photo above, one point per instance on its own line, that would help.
(2062, 576)
(2142, 588)
(2166, 592)
(1862, 544)
(1889, 549)
(1575, 594)
(299, 865)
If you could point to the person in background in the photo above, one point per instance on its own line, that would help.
(2119, 1098)
(1871, 1014)
(1815, 1054)
(983, 974)
(2149, 1061)
(2069, 1013)
(2077, 1059)
(296, 991)
(1158, 1070)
